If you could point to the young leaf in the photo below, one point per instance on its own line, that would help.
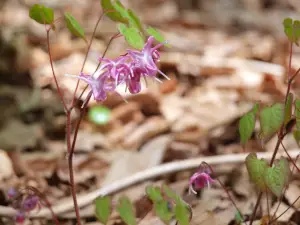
(112, 13)
(134, 20)
(118, 6)
(132, 36)
(297, 113)
(162, 210)
(292, 29)
(103, 208)
(73, 26)
(288, 108)
(126, 211)
(238, 217)
(154, 193)
(247, 125)
(99, 115)
(181, 213)
(288, 28)
(277, 177)
(41, 14)
(153, 32)
(271, 118)
(256, 170)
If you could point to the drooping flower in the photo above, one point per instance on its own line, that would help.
(30, 203)
(147, 58)
(99, 86)
(200, 180)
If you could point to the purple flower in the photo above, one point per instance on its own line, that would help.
(118, 69)
(200, 180)
(99, 86)
(147, 58)
(30, 202)
(12, 192)
(20, 217)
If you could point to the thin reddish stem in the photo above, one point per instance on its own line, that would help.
(224, 188)
(290, 158)
(53, 73)
(86, 55)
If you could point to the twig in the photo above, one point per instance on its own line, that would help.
(150, 173)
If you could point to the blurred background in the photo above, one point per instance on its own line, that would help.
(226, 55)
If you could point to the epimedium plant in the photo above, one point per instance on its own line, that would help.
(129, 68)
(280, 119)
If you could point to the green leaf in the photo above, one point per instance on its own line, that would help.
(134, 20)
(247, 125)
(118, 6)
(112, 13)
(162, 210)
(288, 108)
(271, 118)
(155, 33)
(154, 193)
(288, 28)
(238, 217)
(41, 14)
(126, 211)
(297, 113)
(99, 115)
(73, 26)
(132, 36)
(292, 30)
(181, 213)
(103, 208)
(256, 170)
(277, 177)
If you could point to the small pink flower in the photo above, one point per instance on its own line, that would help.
(147, 58)
(99, 86)
(30, 203)
(200, 180)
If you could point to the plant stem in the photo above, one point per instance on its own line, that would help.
(224, 188)
(53, 73)
(86, 55)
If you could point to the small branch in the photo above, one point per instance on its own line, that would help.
(86, 55)
(285, 210)
(290, 158)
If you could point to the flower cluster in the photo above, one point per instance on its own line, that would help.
(23, 203)
(200, 179)
(128, 69)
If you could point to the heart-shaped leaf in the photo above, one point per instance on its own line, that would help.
(277, 177)
(256, 170)
(162, 210)
(41, 14)
(111, 12)
(292, 29)
(271, 119)
(132, 36)
(103, 208)
(154, 193)
(182, 213)
(247, 125)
